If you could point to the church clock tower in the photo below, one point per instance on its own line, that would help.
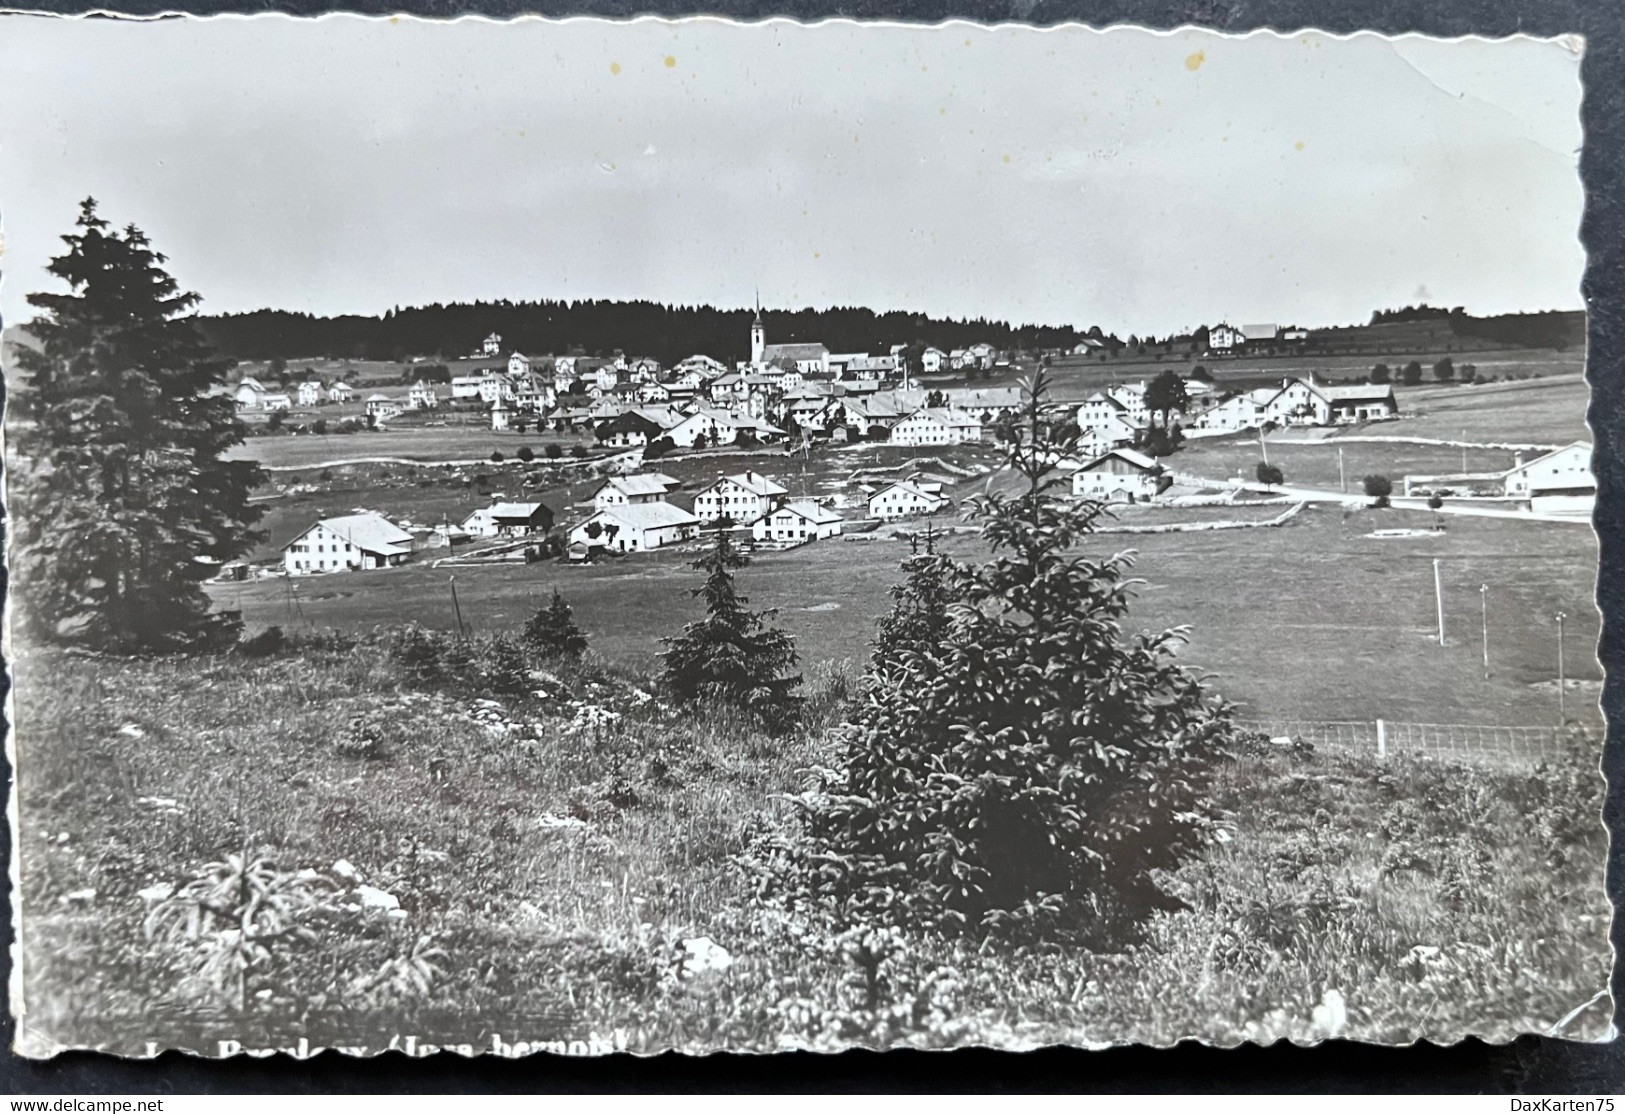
(758, 335)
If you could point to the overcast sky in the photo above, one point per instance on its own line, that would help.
(1144, 182)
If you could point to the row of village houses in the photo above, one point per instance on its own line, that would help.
(537, 384)
(630, 514)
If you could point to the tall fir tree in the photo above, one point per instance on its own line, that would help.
(732, 657)
(1026, 768)
(123, 503)
(552, 631)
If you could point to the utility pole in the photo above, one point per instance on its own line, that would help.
(1342, 477)
(1464, 452)
(1484, 624)
(1438, 595)
(1262, 446)
(1562, 683)
(456, 607)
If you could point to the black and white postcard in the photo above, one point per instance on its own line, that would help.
(588, 536)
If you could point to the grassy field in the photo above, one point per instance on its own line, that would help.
(1549, 410)
(550, 878)
(1076, 378)
(1312, 620)
(422, 443)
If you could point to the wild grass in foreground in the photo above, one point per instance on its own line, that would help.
(562, 860)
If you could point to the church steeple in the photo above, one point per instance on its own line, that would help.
(758, 334)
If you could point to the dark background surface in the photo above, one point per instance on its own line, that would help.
(1529, 1065)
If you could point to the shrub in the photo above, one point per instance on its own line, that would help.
(1412, 375)
(1380, 374)
(552, 631)
(266, 643)
(553, 451)
(658, 448)
(526, 454)
(496, 457)
(1444, 370)
(1027, 773)
(499, 666)
(319, 425)
(327, 475)
(1268, 474)
(578, 451)
(1378, 488)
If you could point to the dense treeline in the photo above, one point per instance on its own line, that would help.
(668, 333)
(1551, 329)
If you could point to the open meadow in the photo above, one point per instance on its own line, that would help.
(518, 870)
(1312, 620)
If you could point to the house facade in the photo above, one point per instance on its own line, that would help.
(635, 528)
(621, 491)
(356, 541)
(1118, 476)
(797, 522)
(1565, 471)
(937, 426)
(310, 393)
(904, 499)
(422, 396)
(744, 497)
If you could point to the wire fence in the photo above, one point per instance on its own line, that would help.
(1461, 742)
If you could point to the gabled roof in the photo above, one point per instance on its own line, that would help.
(755, 483)
(371, 533)
(1353, 392)
(517, 510)
(908, 489)
(1138, 459)
(647, 483)
(812, 350)
(947, 416)
(647, 516)
(1586, 445)
(807, 509)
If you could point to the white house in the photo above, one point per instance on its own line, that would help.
(310, 393)
(249, 393)
(1106, 416)
(931, 360)
(1243, 411)
(492, 345)
(797, 522)
(382, 408)
(422, 396)
(621, 491)
(1119, 475)
(499, 415)
(743, 498)
(937, 426)
(340, 392)
(635, 528)
(993, 401)
(276, 402)
(983, 353)
(904, 498)
(1224, 338)
(354, 541)
(1558, 482)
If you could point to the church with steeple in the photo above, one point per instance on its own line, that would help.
(809, 357)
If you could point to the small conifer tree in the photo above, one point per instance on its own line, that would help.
(1029, 770)
(552, 631)
(732, 657)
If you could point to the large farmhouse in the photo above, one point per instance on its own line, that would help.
(797, 522)
(635, 528)
(905, 498)
(621, 491)
(354, 541)
(1120, 475)
(937, 426)
(1559, 482)
(742, 498)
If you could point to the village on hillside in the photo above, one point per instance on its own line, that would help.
(626, 418)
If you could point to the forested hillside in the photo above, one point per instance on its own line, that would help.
(668, 333)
